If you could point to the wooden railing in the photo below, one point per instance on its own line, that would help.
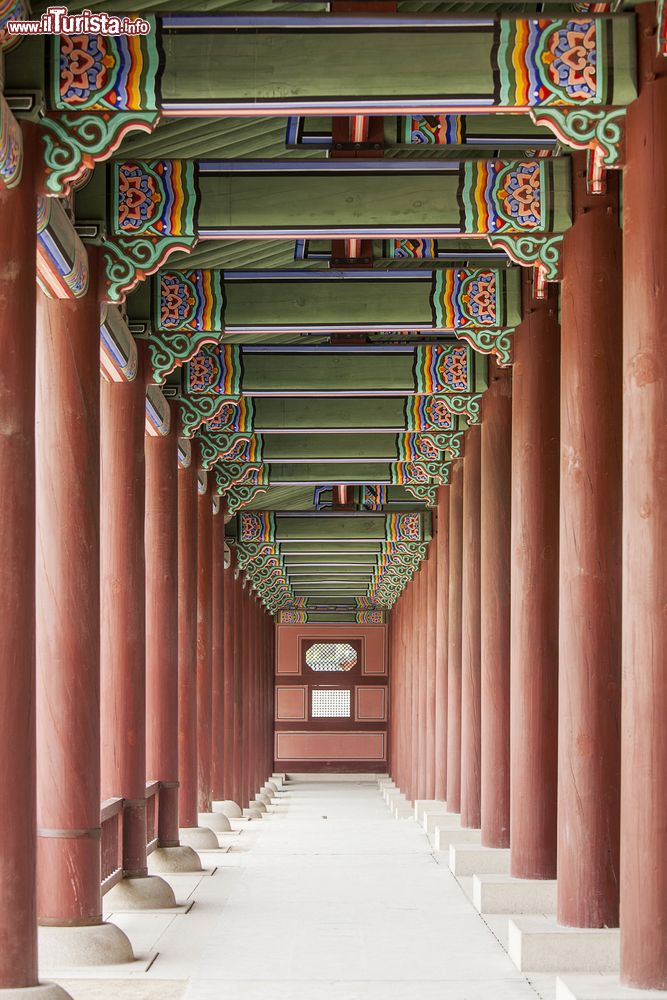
(111, 820)
(152, 807)
(111, 816)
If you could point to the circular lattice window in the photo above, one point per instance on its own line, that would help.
(331, 656)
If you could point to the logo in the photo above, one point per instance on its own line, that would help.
(59, 21)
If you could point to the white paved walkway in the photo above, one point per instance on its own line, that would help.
(328, 898)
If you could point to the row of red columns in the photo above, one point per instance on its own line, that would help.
(128, 653)
(546, 579)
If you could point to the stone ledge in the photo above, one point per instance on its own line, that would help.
(504, 894)
(539, 944)
(474, 859)
(443, 836)
(601, 988)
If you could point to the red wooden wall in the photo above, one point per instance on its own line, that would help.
(357, 743)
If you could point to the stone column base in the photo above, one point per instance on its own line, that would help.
(539, 944)
(95, 944)
(230, 809)
(602, 988)
(444, 835)
(146, 893)
(423, 805)
(199, 838)
(165, 860)
(45, 991)
(504, 894)
(252, 813)
(439, 817)
(215, 821)
(473, 859)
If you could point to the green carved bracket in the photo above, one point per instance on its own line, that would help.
(128, 262)
(199, 409)
(496, 342)
(466, 403)
(74, 143)
(541, 252)
(598, 129)
(171, 350)
(429, 494)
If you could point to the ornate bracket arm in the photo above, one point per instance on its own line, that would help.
(598, 129)
(429, 494)
(74, 143)
(466, 403)
(128, 262)
(543, 252)
(198, 409)
(241, 496)
(172, 350)
(496, 342)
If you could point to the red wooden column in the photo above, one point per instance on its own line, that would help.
(589, 742)
(415, 687)
(162, 744)
(471, 735)
(218, 656)
(454, 638)
(430, 640)
(229, 615)
(495, 508)
(190, 833)
(67, 423)
(239, 791)
(441, 610)
(204, 637)
(534, 589)
(123, 629)
(18, 913)
(420, 626)
(644, 650)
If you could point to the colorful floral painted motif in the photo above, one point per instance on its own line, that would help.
(257, 527)
(498, 197)
(542, 62)
(463, 297)
(416, 249)
(155, 199)
(433, 130)
(404, 528)
(442, 368)
(190, 300)
(216, 370)
(428, 412)
(105, 73)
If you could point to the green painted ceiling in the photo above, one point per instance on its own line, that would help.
(343, 407)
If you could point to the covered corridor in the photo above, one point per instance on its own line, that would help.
(332, 441)
(328, 898)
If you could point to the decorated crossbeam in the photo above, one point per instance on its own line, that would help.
(293, 561)
(417, 477)
(259, 528)
(348, 448)
(452, 371)
(11, 147)
(295, 616)
(194, 308)
(270, 415)
(118, 349)
(158, 412)
(255, 64)
(484, 129)
(162, 206)
(62, 261)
